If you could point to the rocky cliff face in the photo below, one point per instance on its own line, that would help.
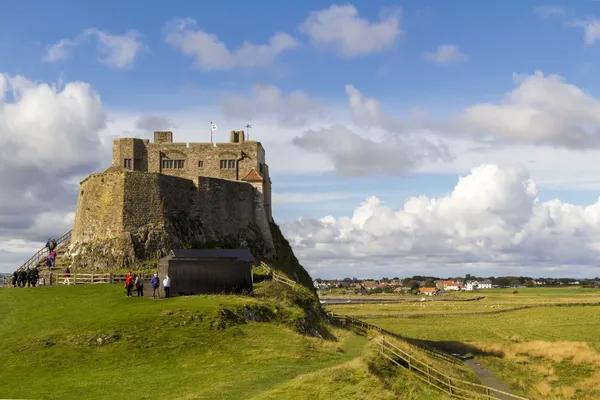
(125, 217)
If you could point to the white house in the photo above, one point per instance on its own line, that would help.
(472, 285)
(487, 284)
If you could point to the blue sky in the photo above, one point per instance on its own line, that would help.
(403, 111)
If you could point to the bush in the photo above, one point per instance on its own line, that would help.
(515, 292)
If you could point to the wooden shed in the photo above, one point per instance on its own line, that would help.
(207, 271)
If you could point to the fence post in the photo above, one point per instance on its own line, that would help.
(487, 392)
(429, 373)
(110, 278)
(92, 278)
(450, 385)
(74, 279)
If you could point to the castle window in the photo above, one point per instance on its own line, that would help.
(200, 164)
(127, 163)
(260, 167)
(230, 163)
(167, 164)
(223, 164)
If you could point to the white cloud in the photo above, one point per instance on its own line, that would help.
(59, 51)
(446, 54)
(547, 11)
(541, 110)
(48, 135)
(492, 218)
(355, 156)
(212, 54)
(294, 109)
(118, 51)
(115, 51)
(591, 30)
(340, 27)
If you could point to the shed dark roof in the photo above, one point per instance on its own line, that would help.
(234, 254)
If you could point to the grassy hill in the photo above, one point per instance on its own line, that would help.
(93, 342)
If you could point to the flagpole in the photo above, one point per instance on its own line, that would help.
(211, 138)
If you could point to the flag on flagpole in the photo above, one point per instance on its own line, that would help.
(213, 127)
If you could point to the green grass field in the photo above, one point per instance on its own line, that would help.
(495, 300)
(93, 342)
(541, 352)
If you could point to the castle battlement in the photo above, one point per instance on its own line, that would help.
(238, 160)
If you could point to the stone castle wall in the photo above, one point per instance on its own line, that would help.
(199, 159)
(99, 207)
(136, 216)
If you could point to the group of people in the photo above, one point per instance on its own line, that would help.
(50, 261)
(26, 277)
(132, 280)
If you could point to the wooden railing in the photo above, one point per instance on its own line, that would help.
(79, 278)
(455, 387)
(41, 253)
(346, 320)
(277, 277)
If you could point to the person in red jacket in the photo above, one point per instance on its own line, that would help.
(129, 283)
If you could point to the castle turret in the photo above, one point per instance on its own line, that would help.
(237, 137)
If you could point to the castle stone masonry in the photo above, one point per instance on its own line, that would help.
(236, 160)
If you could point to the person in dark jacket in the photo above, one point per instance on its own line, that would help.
(155, 285)
(139, 286)
(15, 277)
(22, 278)
(35, 276)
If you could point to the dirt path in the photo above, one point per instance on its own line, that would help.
(488, 377)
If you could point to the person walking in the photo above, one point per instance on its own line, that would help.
(139, 286)
(167, 286)
(155, 285)
(129, 283)
(67, 280)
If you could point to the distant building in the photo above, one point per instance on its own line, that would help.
(427, 291)
(486, 284)
(448, 285)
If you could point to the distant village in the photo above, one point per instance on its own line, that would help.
(433, 286)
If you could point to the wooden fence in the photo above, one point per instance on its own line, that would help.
(277, 277)
(78, 278)
(453, 386)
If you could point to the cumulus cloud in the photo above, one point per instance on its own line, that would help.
(355, 156)
(386, 146)
(115, 51)
(340, 27)
(49, 135)
(212, 54)
(492, 218)
(446, 54)
(294, 109)
(541, 110)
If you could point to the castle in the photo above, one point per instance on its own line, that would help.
(238, 160)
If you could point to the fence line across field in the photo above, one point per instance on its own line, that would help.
(455, 387)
